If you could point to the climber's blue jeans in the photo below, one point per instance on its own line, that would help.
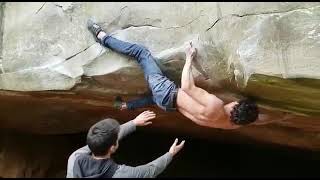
(164, 91)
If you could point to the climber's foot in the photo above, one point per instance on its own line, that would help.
(96, 30)
(119, 104)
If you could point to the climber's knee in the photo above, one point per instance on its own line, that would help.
(144, 50)
(141, 51)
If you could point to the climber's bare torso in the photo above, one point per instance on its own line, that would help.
(198, 105)
(204, 109)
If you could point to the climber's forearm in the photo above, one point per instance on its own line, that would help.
(187, 81)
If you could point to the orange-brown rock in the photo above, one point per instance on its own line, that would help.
(73, 112)
(55, 79)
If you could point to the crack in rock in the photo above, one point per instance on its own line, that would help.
(150, 25)
(73, 67)
(66, 9)
(273, 12)
(60, 6)
(116, 19)
(70, 57)
(127, 26)
(40, 8)
(124, 8)
(65, 6)
(257, 14)
(195, 19)
(173, 27)
(58, 61)
(214, 24)
(135, 26)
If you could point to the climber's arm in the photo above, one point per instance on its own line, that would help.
(187, 81)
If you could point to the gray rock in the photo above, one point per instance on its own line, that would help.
(242, 46)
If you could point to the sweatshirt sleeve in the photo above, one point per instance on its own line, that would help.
(73, 157)
(150, 170)
(126, 129)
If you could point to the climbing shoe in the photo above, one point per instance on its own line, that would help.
(118, 103)
(94, 28)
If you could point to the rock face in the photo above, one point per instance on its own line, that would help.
(21, 157)
(55, 79)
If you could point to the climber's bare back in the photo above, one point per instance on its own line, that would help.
(198, 105)
(204, 108)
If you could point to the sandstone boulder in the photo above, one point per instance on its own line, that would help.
(55, 79)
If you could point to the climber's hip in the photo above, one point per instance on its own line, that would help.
(164, 91)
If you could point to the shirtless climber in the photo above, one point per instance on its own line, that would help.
(201, 107)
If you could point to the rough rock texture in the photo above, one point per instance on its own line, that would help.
(21, 157)
(46, 46)
(56, 79)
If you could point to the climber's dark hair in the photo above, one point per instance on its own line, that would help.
(102, 135)
(245, 112)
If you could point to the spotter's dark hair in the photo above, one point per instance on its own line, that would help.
(102, 135)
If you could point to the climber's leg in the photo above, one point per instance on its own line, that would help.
(162, 88)
(139, 103)
(133, 104)
(140, 53)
